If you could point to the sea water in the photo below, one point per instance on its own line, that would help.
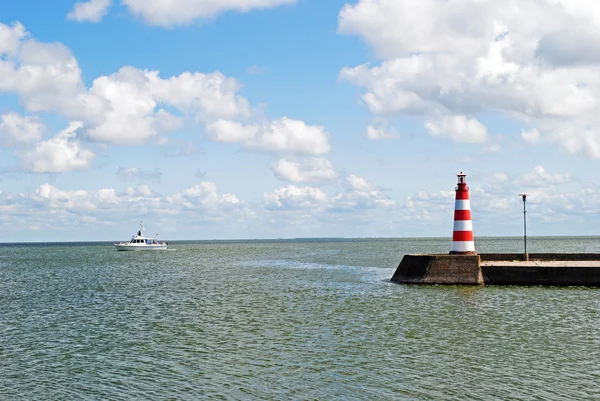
(286, 320)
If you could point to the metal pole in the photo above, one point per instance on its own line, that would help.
(525, 226)
(524, 196)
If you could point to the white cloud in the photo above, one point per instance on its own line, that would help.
(212, 95)
(531, 136)
(360, 184)
(467, 57)
(11, 37)
(18, 130)
(133, 173)
(362, 195)
(179, 12)
(374, 22)
(283, 135)
(107, 213)
(539, 177)
(226, 131)
(458, 129)
(108, 203)
(78, 200)
(358, 195)
(287, 135)
(294, 198)
(123, 108)
(204, 196)
(167, 122)
(376, 134)
(312, 170)
(574, 136)
(145, 190)
(46, 76)
(134, 106)
(92, 10)
(430, 207)
(130, 106)
(59, 154)
(294, 211)
(142, 191)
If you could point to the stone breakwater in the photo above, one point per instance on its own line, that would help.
(551, 269)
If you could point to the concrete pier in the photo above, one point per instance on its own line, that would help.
(551, 269)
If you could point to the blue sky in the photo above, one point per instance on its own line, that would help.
(296, 118)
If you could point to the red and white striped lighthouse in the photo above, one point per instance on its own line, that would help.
(462, 237)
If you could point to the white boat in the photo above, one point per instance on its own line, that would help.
(140, 243)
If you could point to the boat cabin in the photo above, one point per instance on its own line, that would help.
(147, 241)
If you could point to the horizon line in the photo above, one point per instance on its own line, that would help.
(302, 238)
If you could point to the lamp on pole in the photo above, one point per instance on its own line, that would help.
(524, 196)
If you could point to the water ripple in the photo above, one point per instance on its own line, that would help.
(280, 321)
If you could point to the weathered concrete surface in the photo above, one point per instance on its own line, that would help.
(546, 272)
(551, 269)
(542, 263)
(539, 256)
(439, 269)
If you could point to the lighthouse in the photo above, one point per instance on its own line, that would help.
(462, 236)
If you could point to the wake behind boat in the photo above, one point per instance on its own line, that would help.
(140, 243)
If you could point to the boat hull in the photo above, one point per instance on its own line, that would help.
(140, 247)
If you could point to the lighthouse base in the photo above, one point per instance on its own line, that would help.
(439, 269)
(463, 253)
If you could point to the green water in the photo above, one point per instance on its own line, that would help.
(286, 320)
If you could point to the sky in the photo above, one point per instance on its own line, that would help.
(241, 119)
